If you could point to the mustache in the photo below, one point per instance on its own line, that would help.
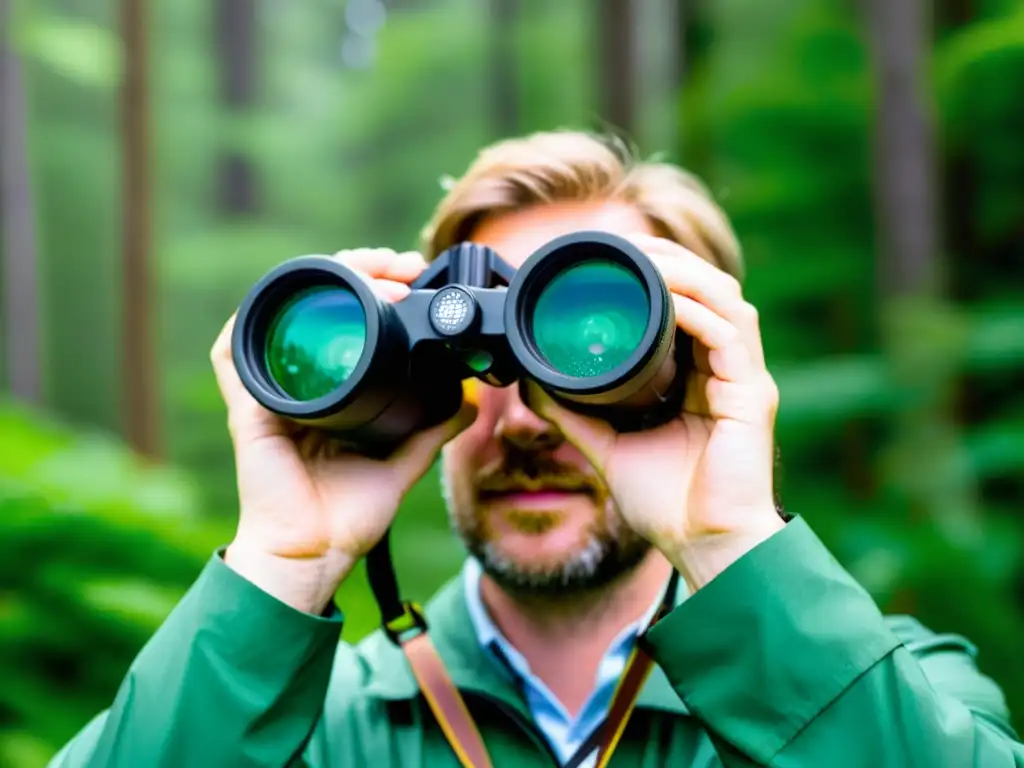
(533, 471)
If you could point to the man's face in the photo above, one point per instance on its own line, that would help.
(526, 503)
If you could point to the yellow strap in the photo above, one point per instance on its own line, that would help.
(628, 705)
(446, 702)
(452, 714)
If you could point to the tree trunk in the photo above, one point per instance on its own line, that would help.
(908, 243)
(141, 413)
(617, 64)
(657, 40)
(236, 35)
(922, 335)
(17, 225)
(504, 87)
(694, 34)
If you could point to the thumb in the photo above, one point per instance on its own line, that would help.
(418, 452)
(247, 419)
(592, 437)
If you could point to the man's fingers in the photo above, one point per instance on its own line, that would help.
(384, 263)
(389, 290)
(593, 437)
(420, 450)
(387, 272)
(246, 417)
(687, 274)
(730, 400)
(727, 355)
(223, 364)
(701, 359)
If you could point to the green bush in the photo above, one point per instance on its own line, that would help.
(95, 549)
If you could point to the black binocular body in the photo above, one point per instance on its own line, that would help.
(587, 318)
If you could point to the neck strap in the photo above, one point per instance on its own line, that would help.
(406, 626)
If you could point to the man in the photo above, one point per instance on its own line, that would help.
(771, 655)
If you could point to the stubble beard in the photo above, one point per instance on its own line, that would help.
(609, 551)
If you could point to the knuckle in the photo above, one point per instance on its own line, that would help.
(733, 336)
(715, 387)
(370, 259)
(732, 285)
(412, 256)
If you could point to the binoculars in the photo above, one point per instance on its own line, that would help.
(587, 318)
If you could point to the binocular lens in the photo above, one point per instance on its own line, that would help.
(587, 317)
(590, 318)
(314, 341)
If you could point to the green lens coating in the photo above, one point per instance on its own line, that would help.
(315, 341)
(590, 318)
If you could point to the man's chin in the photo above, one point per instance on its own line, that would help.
(546, 565)
(544, 553)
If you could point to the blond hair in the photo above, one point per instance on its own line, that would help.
(576, 165)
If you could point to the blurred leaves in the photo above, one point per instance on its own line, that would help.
(95, 549)
(936, 343)
(85, 53)
(901, 423)
(85, 469)
(986, 52)
(978, 71)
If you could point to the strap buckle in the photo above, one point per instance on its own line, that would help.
(409, 624)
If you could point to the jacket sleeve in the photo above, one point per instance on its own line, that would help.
(233, 678)
(788, 663)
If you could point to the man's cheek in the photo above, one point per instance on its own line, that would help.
(462, 452)
(461, 464)
(477, 442)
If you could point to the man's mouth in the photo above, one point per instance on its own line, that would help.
(534, 491)
(534, 504)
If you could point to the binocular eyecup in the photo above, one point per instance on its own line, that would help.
(587, 318)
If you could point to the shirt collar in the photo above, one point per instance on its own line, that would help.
(487, 631)
(489, 635)
(468, 662)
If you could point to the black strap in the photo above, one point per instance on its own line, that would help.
(380, 573)
(606, 736)
(406, 626)
(592, 742)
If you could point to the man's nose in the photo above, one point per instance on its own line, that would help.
(519, 427)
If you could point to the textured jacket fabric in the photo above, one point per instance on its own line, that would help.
(781, 661)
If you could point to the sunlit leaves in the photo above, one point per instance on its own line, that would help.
(85, 53)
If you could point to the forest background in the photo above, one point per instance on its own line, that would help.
(157, 158)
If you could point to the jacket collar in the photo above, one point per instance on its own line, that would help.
(471, 667)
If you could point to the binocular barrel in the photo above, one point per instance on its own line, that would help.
(587, 318)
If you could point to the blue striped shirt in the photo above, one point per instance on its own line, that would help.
(564, 732)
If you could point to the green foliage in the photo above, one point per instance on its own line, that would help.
(902, 423)
(95, 549)
(80, 51)
(782, 126)
(978, 71)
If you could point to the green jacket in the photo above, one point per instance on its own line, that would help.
(782, 661)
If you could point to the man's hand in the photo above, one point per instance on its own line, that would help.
(309, 511)
(699, 488)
